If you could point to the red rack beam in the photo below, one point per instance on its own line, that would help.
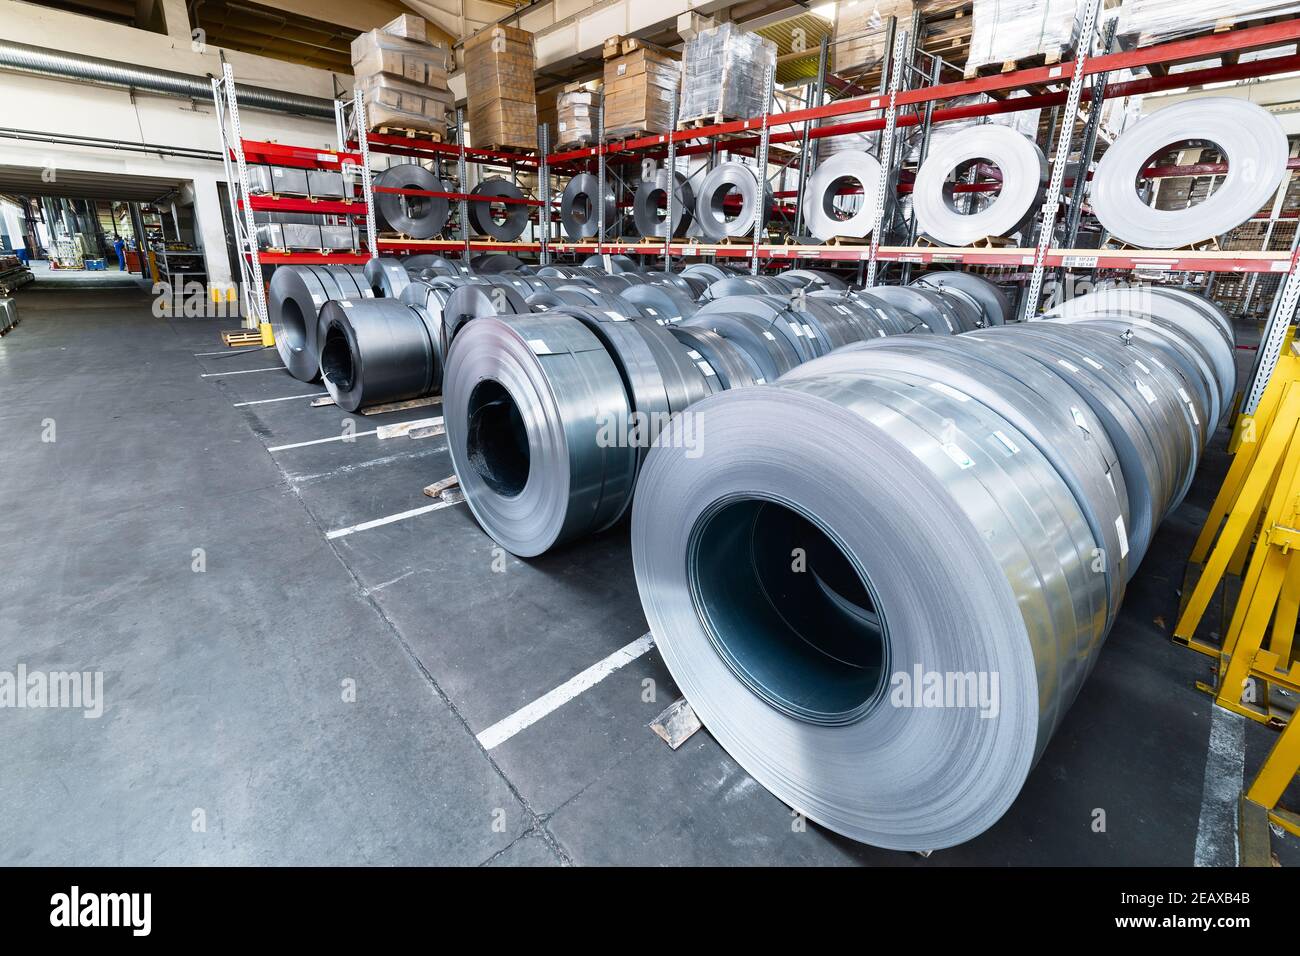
(403, 146)
(321, 207)
(299, 157)
(311, 258)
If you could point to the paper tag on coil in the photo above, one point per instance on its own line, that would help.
(1010, 445)
(1145, 391)
(1064, 364)
(962, 459)
(769, 336)
(1079, 420)
(345, 303)
(1094, 363)
(807, 330)
(1123, 536)
(706, 368)
(614, 316)
(538, 347)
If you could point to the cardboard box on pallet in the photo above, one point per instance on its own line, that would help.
(403, 77)
(860, 32)
(724, 72)
(408, 27)
(1014, 30)
(499, 66)
(639, 90)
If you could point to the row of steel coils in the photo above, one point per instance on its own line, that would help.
(423, 217)
(965, 513)
(383, 333)
(841, 197)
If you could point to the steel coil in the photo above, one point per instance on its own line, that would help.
(432, 264)
(490, 263)
(1251, 140)
(419, 217)
(724, 364)
(295, 298)
(580, 207)
(378, 351)
(662, 303)
(387, 277)
(652, 196)
(720, 183)
(991, 300)
(479, 302)
(1024, 177)
(525, 399)
(514, 217)
(932, 309)
(851, 169)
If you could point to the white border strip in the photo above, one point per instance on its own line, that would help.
(243, 371)
(1225, 771)
(378, 522)
(321, 441)
(525, 717)
(282, 398)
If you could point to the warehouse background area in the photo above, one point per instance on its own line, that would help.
(334, 339)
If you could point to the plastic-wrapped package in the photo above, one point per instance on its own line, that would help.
(1003, 30)
(499, 70)
(1154, 20)
(575, 119)
(391, 101)
(724, 73)
(379, 52)
(639, 91)
(860, 32)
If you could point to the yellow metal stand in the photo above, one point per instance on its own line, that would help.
(1275, 776)
(268, 337)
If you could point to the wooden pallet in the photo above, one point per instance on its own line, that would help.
(984, 242)
(512, 150)
(428, 135)
(241, 338)
(1049, 58)
(407, 405)
(710, 119)
(1205, 245)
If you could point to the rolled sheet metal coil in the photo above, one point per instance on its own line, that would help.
(663, 303)
(434, 264)
(708, 271)
(721, 181)
(1136, 402)
(387, 277)
(746, 285)
(931, 308)
(775, 312)
(771, 353)
(493, 262)
(618, 263)
(651, 194)
(296, 296)
(811, 279)
(377, 351)
(1024, 177)
(724, 364)
(891, 319)
(1049, 413)
(525, 399)
(1252, 141)
(419, 217)
(580, 207)
(992, 301)
(934, 549)
(672, 279)
(518, 281)
(515, 220)
(1195, 315)
(479, 302)
(849, 168)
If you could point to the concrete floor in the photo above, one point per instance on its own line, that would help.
(227, 736)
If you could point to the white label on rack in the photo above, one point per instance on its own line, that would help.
(538, 347)
(706, 368)
(1079, 262)
(1079, 420)
(1281, 265)
(690, 250)
(1055, 71)
(1064, 364)
(951, 392)
(326, 158)
(1002, 437)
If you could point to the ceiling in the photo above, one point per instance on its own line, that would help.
(27, 181)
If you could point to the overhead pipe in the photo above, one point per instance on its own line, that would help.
(31, 59)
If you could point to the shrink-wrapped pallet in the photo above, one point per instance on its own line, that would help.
(1005, 31)
(499, 66)
(860, 33)
(575, 118)
(1151, 21)
(403, 78)
(724, 73)
(394, 102)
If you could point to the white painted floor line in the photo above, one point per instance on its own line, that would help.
(227, 352)
(1225, 767)
(321, 441)
(243, 371)
(282, 398)
(525, 717)
(378, 522)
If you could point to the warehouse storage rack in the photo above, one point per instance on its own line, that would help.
(911, 95)
(351, 157)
